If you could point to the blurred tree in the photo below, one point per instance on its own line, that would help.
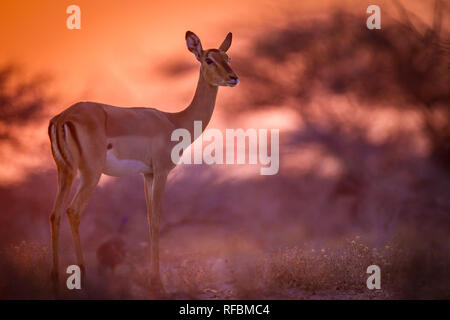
(22, 102)
(400, 65)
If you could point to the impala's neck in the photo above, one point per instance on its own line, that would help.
(200, 109)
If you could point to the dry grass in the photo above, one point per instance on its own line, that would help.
(342, 268)
(410, 268)
(413, 271)
(25, 271)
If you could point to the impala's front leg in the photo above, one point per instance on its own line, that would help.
(154, 208)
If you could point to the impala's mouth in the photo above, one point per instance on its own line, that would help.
(232, 83)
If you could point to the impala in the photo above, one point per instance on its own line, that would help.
(94, 139)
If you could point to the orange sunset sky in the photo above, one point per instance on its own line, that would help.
(121, 43)
(117, 55)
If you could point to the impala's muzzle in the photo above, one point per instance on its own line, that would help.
(233, 81)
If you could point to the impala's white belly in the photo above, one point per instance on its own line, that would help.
(118, 168)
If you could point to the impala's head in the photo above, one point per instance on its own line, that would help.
(215, 63)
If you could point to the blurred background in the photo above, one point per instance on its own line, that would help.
(364, 119)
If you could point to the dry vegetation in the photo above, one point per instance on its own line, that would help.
(336, 272)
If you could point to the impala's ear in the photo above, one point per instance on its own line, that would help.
(226, 43)
(194, 45)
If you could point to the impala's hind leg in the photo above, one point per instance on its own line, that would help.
(65, 180)
(88, 181)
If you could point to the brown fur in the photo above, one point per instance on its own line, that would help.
(129, 134)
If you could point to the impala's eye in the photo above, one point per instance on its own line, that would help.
(209, 61)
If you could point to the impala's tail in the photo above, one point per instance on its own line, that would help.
(61, 133)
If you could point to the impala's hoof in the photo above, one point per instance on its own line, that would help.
(83, 276)
(156, 288)
(54, 276)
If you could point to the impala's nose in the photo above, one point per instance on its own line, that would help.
(233, 81)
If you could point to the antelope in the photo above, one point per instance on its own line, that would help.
(92, 139)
